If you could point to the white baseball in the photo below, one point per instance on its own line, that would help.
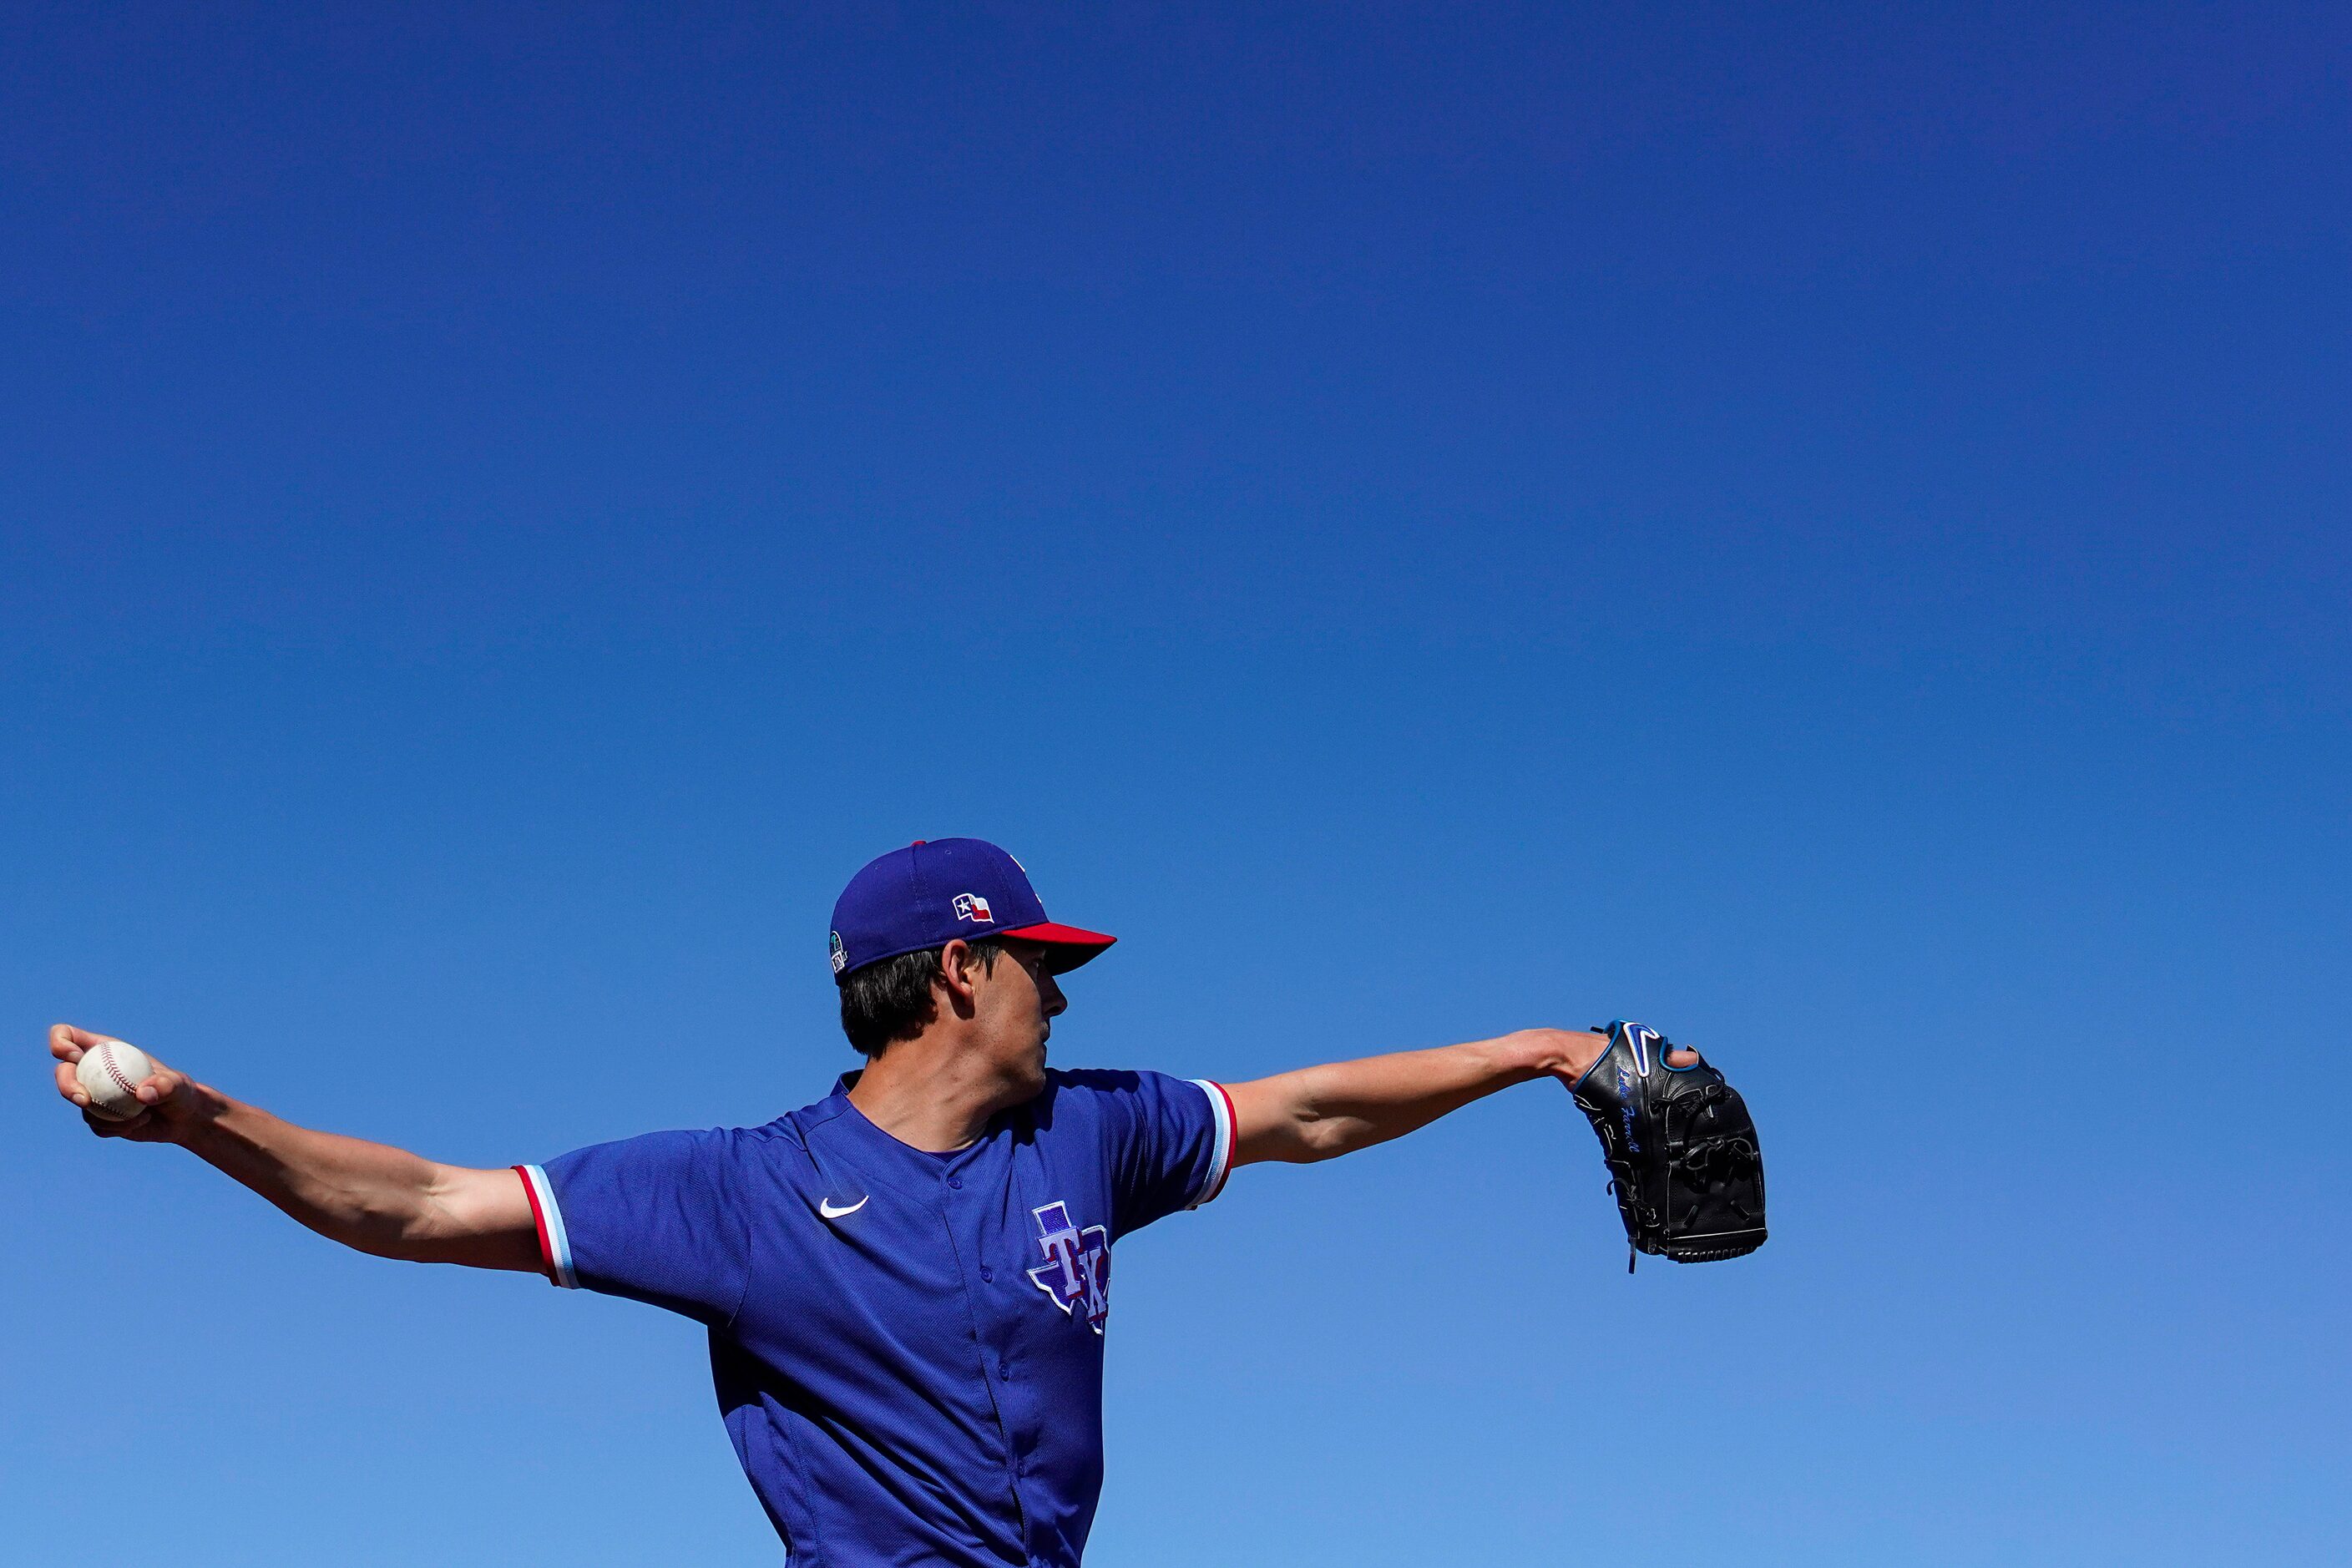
(109, 1070)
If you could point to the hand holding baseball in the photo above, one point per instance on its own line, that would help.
(121, 1091)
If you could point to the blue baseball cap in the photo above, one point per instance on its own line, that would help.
(932, 892)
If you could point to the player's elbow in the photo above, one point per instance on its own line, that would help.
(477, 1217)
(1310, 1138)
(1329, 1138)
(405, 1228)
(1279, 1120)
(1288, 1141)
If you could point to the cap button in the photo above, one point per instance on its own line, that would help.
(918, 843)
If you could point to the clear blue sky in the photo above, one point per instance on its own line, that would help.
(1821, 528)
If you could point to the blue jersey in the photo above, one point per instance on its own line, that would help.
(908, 1346)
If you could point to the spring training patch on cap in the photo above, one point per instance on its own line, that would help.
(840, 954)
(972, 907)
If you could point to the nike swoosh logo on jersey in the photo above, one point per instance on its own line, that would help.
(825, 1206)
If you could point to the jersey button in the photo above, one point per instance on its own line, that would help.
(955, 1181)
(987, 1274)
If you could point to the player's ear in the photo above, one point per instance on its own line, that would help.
(959, 973)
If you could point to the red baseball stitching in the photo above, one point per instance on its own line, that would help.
(114, 1071)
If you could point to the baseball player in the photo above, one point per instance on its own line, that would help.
(906, 1284)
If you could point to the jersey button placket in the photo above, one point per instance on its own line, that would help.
(992, 1369)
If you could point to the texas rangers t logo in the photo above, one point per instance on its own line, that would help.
(1077, 1271)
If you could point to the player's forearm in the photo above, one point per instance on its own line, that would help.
(371, 1196)
(1336, 1108)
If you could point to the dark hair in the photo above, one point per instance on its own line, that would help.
(890, 999)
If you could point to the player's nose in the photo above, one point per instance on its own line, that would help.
(1051, 995)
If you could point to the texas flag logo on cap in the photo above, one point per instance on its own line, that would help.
(972, 907)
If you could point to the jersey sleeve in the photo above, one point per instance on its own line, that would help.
(1170, 1141)
(656, 1219)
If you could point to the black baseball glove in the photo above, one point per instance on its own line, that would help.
(1681, 1149)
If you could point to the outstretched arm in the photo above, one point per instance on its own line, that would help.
(370, 1196)
(1318, 1112)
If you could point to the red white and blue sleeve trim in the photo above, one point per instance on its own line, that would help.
(554, 1246)
(1220, 1162)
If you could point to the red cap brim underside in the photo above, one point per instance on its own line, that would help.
(1074, 946)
